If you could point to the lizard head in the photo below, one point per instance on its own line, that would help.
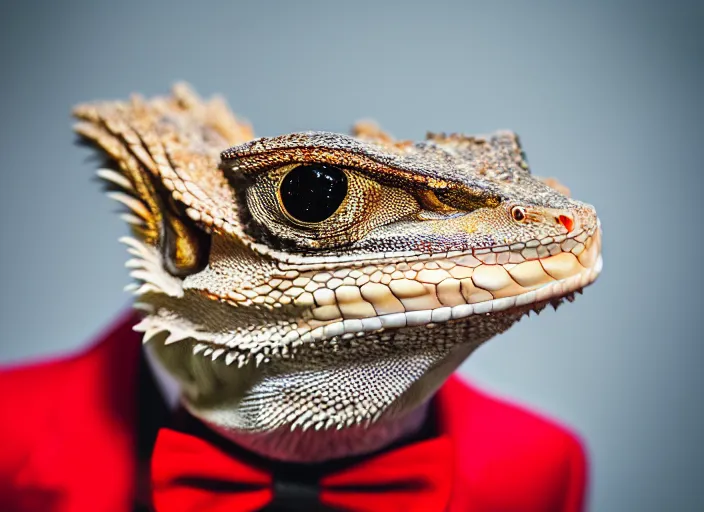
(324, 280)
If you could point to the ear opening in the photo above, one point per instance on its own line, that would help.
(185, 247)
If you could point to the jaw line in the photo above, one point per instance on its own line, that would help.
(549, 291)
(348, 329)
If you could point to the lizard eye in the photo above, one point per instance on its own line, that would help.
(312, 193)
(318, 205)
(518, 214)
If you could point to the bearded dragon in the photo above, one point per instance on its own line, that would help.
(311, 291)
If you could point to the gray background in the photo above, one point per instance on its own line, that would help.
(606, 97)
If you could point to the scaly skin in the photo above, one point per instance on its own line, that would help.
(348, 325)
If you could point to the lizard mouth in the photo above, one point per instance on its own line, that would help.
(435, 291)
(380, 297)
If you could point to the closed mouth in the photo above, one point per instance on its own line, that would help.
(351, 303)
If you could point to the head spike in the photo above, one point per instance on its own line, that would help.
(115, 177)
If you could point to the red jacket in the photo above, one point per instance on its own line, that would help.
(68, 439)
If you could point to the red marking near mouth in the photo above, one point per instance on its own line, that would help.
(567, 222)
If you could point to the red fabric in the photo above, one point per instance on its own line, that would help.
(66, 429)
(178, 455)
(67, 440)
(507, 458)
(179, 459)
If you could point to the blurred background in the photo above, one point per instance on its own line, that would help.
(605, 95)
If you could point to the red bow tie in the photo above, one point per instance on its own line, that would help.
(190, 474)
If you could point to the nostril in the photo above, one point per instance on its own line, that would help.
(567, 222)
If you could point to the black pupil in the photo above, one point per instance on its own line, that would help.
(312, 193)
(518, 214)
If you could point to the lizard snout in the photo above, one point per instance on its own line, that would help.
(584, 218)
(572, 219)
